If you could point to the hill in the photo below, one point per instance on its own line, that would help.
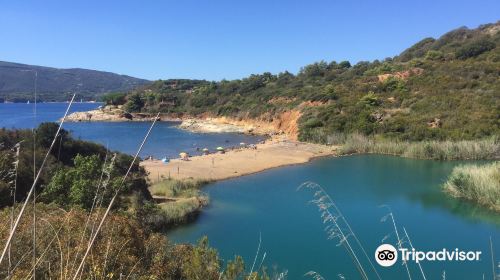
(54, 84)
(445, 88)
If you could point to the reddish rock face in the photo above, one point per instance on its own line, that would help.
(401, 75)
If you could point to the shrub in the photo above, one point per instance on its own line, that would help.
(474, 49)
(369, 100)
(477, 183)
(114, 98)
(122, 249)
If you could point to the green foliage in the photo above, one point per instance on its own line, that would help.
(424, 83)
(344, 64)
(134, 103)
(434, 55)
(114, 98)
(78, 185)
(72, 165)
(369, 100)
(394, 84)
(474, 49)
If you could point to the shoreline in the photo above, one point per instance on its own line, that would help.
(116, 114)
(274, 153)
(285, 124)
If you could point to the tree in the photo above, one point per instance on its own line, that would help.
(77, 185)
(315, 70)
(134, 103)
(345, 64)
(114, 98)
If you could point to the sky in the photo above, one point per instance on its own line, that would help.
(214, 40)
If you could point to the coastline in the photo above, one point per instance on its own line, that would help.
(281, 149)
(285, 124)
(115, 114)
(276, 152)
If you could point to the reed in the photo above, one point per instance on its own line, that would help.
(478, 183)
(178, 188)
(338, 228)
(182, 210)
(488, 148)
(178, 202)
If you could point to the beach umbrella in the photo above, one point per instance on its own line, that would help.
(205, 150)
(242, 144)
(184, 155)
(220, 149)
(165, 160)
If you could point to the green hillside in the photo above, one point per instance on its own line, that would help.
(446, 88)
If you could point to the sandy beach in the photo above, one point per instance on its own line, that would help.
(239, 162)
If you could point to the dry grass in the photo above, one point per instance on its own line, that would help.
(440, 150)
(180, 201)
(181, 210)
(173, 188)
(476, 183)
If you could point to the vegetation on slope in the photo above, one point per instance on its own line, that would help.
(72, 172)
(122, 250)
(76, 186)
(478, 183)
(439, 89)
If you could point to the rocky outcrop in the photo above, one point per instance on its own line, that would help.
(404, 75)
(283, 124)
(213, 126)
(112, 113)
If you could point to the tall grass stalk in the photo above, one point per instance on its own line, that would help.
(399, 240)
(30, 193)
(478, 183)
(333, 221)
(256, 254)
(492, 260)
(13, 183)
(110, 205)
(411, 245)
(314, 275)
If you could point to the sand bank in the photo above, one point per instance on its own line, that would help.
(234, 163)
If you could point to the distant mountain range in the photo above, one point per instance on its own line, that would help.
(55, 84)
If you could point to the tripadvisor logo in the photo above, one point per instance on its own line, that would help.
(386, 255)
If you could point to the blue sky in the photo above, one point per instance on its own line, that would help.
(210, 39)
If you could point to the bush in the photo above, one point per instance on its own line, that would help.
(474, 49)
(134, 103)
(114, 98)
(123, 248)
(480, 184)
(369, 100)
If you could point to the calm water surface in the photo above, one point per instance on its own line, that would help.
(165, 139)
(292, 231)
